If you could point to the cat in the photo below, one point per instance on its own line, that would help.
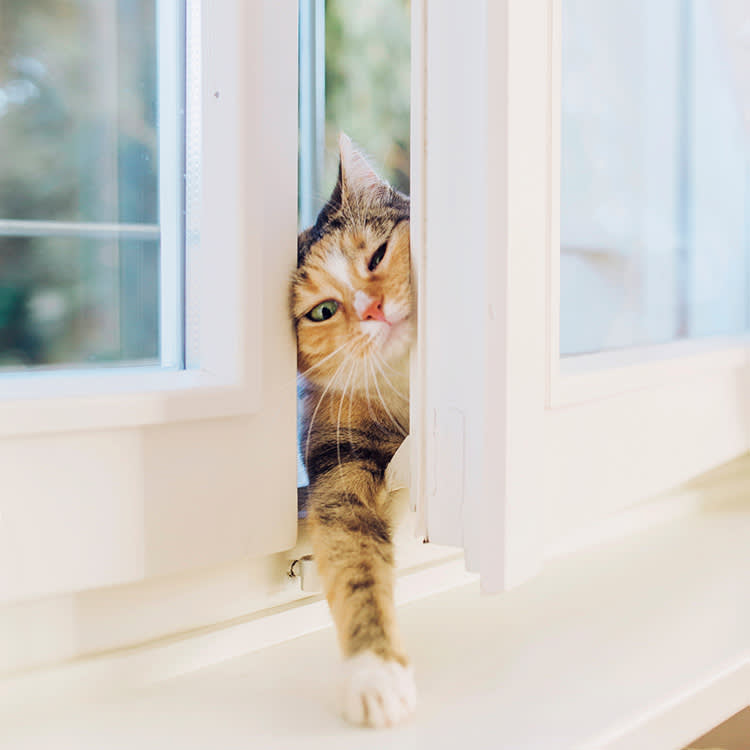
(352, 308)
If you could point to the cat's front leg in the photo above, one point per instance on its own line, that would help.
(354, 550)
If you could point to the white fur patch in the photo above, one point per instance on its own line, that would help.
(377, 693)
(338, 266)
(362, 301)
(375, 330)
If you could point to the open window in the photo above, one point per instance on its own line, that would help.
(147, 395)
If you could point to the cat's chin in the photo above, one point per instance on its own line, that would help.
(390, 341)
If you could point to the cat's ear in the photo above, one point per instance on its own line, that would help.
(355, 173)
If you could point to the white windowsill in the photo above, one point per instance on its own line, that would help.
(643, 642)
(57, 401)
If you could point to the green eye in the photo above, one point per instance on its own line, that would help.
(377, 257)
(323, 311)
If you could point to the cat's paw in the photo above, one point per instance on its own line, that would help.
(376, 692)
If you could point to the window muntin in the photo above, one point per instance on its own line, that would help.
(92, 108)
(654, 172)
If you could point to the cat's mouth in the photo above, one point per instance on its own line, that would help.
(383, 335)
(376, 330)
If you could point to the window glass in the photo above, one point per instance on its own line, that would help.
(80, 185)
(654, 171)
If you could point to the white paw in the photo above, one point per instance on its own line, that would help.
(377, 693)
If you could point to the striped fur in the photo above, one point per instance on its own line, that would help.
(354, 396)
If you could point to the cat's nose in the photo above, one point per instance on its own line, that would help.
(373, 310)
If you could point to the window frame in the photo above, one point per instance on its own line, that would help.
(120, 482)
(223, 293)
(524, 452)
(589, 377)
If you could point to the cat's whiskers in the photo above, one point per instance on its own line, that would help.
(382, 401)
(378, 362)
(338, 420)
(367, 396)
(351, 399)
(323, 361)
(317, 407)
(388, 367)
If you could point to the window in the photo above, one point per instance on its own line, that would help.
(196, 303)
(91, 241)
(527, 453)
(655, 173)
(116, 474)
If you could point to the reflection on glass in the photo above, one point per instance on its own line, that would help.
(654, 173)
(79, 145)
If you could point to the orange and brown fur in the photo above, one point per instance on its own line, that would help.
(351, 303)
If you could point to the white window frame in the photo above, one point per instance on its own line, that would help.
(223, 310)
(523, 450)
(116, 476)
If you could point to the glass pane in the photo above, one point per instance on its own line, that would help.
(67, 301)
(654, 173)
(78, 110)
(80, 113)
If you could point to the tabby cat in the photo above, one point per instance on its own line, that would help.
(351, 303)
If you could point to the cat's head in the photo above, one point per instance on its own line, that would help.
(351, 298)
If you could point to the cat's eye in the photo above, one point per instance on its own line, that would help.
(377, 257)
(323, 311)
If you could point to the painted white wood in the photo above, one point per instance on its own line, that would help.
(620, 427)
(452, 204)
(230, 307)
(576, 380)
(193, 177)
(131, 636)
(417, 178)
(485, 115)
(524, 450)
(643, 643)
(185, 478)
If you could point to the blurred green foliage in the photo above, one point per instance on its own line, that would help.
(368, 49)
(78, 143)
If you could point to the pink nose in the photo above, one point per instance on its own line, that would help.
(374, 311)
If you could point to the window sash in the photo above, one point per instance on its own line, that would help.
(169, 232)
(512, 462)
(130, 457)
(222, 287)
